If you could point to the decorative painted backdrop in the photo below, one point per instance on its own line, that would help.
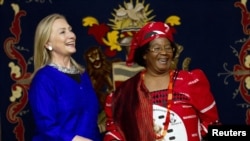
(213, 35)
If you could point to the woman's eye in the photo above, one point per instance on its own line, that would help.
(168, 48)
(157, 48)
(62, 32)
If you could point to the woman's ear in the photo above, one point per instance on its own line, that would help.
(49, 47)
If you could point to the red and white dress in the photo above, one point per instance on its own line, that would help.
(192, 110)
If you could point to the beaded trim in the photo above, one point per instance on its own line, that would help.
(72, 70)
(173, 74)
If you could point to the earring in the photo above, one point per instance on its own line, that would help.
(50, 48)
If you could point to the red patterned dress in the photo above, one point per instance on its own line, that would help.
(134, 113)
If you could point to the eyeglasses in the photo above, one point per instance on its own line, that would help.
(157, 49)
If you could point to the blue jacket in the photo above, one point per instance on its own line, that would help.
(63, 108)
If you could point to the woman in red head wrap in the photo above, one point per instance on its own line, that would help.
(159, 103)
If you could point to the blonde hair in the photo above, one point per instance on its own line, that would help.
(42, 56)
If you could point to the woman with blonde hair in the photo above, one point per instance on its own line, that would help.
(62, 99)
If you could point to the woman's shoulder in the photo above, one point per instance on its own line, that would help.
(192, 75)
(135, 78)
(44, 73)
(194, 72)
(130, 82)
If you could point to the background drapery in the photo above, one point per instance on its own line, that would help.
(213, 34)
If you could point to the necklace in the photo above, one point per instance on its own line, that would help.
(169, 103)
(72, 70)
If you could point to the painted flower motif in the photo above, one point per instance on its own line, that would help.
(111, 41)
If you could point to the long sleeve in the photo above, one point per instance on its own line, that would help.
(196, 87)
(63, 108)
(112, 130)
(204, 101)
(43, 103)
(194, 103)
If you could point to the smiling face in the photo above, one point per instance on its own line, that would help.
(62, 39)
(159, 61)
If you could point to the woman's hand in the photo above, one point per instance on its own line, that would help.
(80, 138)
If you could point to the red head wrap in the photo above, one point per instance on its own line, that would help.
(147, 33)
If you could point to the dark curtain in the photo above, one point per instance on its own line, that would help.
(213, 34)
